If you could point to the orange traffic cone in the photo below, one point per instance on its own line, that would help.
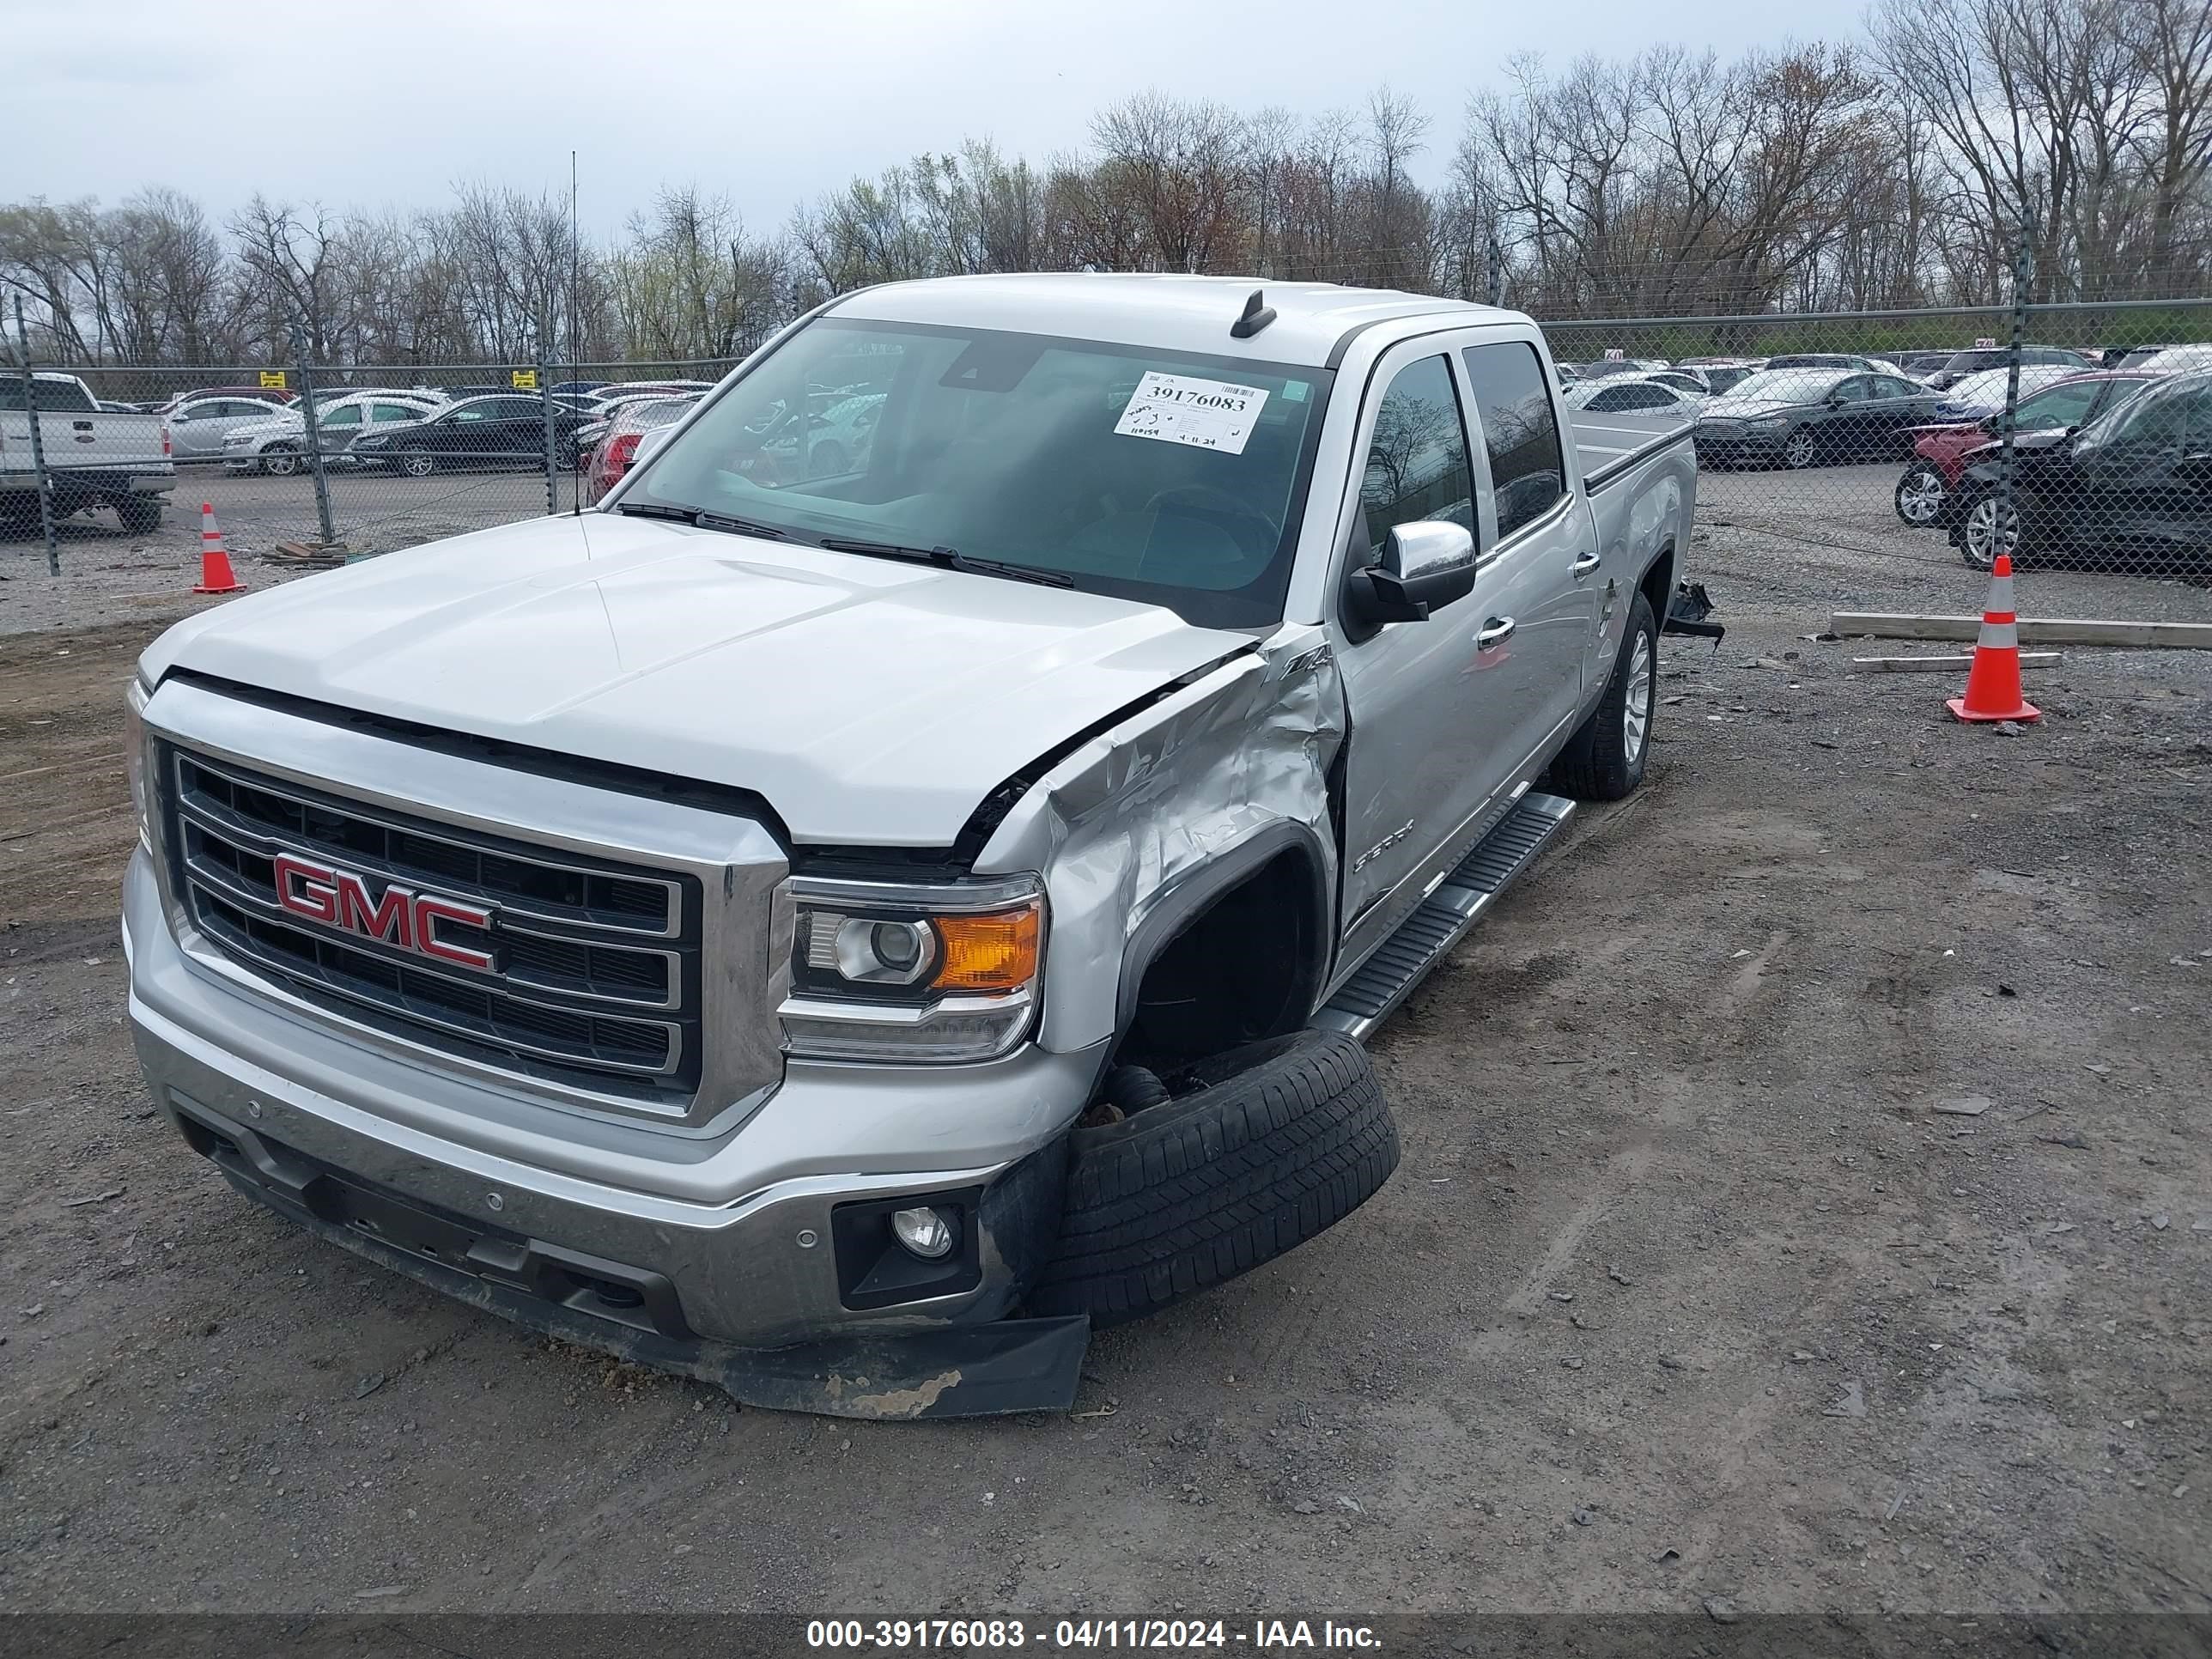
(1993, 691)
(216, 574)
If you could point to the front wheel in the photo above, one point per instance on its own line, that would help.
(1604, 759)
(1920, 494)
(1800, 448)
(280, 461)
(417, 463)
(1268, 1145)
(1988, 528)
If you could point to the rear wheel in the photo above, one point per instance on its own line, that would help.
(1920, 494)
(1604, 760)
(140, 514)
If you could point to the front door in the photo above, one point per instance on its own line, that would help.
(1417, 691)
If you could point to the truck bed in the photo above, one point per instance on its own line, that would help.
(1610, 444)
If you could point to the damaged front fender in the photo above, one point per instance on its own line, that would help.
(1126, 827)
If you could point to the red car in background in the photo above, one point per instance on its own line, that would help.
(1941, 453)
(611, 448)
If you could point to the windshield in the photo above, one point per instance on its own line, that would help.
(1175, 479)
(1787, 386)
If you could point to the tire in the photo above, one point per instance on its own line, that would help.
(140, 515)
(1605, 758)
(1800, 449)
(417, 463)
(280, 461)
(1920, 494)
(1280, 1141)
(1983, 532)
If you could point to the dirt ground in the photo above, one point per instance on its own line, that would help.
(1685, 1290)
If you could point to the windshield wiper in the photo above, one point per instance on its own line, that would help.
(703, 519)
(950, 558)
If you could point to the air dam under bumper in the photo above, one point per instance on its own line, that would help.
(724, 1288)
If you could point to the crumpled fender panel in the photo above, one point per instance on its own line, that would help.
(1119, 826)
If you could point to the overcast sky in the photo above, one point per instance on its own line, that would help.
(377, 103)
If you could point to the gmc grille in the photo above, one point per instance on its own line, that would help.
(595, 981)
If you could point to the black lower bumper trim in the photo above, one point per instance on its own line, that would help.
(960, 1370)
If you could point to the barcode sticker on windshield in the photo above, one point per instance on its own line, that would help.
(1177, 409)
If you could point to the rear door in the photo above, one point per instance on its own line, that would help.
(1541, 570)
(337, 429)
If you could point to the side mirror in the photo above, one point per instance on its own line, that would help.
(1423, 566)
(649, 443)
(1833, 400)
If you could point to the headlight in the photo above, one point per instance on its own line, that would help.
(894, 971)
(134, 759)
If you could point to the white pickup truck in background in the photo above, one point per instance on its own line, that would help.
(94, 457)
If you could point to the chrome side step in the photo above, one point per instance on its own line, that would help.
(1388, 977)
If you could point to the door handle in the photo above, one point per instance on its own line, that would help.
(1585, 563)
(1495, 630)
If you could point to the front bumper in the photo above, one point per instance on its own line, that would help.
(1738, 445)
(717, 1255)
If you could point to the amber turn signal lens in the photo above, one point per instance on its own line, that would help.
(993, 952)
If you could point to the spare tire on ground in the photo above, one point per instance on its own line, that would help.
(1260, 1149)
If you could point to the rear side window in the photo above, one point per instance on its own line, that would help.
(1417, 466)
(1520, 429)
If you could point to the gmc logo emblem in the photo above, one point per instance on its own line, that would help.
(401, 917)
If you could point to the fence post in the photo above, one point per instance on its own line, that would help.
(2022, 270)
(38, 445)
(313, 434)
(545, 399)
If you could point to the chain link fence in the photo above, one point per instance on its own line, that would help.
(2063, 433)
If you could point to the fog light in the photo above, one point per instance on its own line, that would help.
(923, 1232)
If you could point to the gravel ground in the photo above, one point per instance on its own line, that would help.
(1684, 1292)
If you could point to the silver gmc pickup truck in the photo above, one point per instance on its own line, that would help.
(841, 920)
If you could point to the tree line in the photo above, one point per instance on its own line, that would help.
(1900, 170)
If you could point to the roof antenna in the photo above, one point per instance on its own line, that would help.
(1258, 313)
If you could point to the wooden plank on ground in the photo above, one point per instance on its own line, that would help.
(2050, 630)
(1930, 665)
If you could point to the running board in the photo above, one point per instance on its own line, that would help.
(1388, 977)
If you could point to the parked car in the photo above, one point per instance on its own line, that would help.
(2170, 359)
(841, 939)
(611, 446)
(94, 457)
(1721, 375)
(1835, 360)
(198, 425)
(1918, 365)
(279, 446)
(615, 390)
(1605, 367)
(507, 429)
(2136, 483)
(1960, 364)
(277, 396)
(1810, 416)
(1618, 395)
(575, 388)
(1941, 453)
(1983, 393)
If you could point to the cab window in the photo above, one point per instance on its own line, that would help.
(1417, 465)
(1520, 428)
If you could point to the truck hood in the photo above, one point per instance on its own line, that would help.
(871, 703)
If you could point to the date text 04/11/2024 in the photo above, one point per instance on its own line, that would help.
(1263, 1635)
